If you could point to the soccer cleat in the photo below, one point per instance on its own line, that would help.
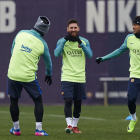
(131, 125)
(69, 129)
(40, 133)
(15, 132)
(76, 130)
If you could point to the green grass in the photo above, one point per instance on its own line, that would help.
(111, 125)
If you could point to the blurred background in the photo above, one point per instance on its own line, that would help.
(105, 23)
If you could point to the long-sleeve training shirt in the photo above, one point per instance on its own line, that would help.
(133, 44)
(26, 50)
(73, 59)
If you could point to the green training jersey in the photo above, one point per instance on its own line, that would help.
(73, 59)
(133, 44)
(27, 48)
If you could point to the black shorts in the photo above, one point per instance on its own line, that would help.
(14, 88)
(133, 88)
(73, 90)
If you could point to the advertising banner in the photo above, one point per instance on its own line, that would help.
(105, 23)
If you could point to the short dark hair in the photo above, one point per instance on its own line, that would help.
(72, 21)
(137, 17)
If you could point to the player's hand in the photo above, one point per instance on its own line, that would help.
(72, 38)
(48, 79)
(67, 37)
(78, 39)
(98, 59)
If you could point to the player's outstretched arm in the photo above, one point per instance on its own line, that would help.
(59, 47)
(115, 53)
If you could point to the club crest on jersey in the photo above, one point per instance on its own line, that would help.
(132, 80)
(62, 93)
(79, 46)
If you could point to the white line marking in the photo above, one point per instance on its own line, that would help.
(62, 116)
(86, 118)
(52, 115)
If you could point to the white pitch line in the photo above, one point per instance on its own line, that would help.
(54, 115)
(86, 118)
(8, 112)
(90, 118)
(5, 112)
(62, 116)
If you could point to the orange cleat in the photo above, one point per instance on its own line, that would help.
(69, 129)
(76, 130)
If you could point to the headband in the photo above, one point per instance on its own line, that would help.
(136, 21)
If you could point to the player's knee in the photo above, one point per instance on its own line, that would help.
(77, 103)
(13, 100)
(68, 101)
(131, 100)
(37, 100)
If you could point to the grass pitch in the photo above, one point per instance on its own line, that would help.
(96, 123)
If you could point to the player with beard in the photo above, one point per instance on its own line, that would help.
(73, 48)
(132, 42)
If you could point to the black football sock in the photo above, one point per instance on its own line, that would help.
(68, 107)
(38, 111)
(77, 108)
(14, 109)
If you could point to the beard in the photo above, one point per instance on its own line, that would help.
(74, 35)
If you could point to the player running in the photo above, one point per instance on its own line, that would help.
(73, 48)
(132, 42)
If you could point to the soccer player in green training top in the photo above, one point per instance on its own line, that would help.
(73, 48)
(132, 42)
(27, 48)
